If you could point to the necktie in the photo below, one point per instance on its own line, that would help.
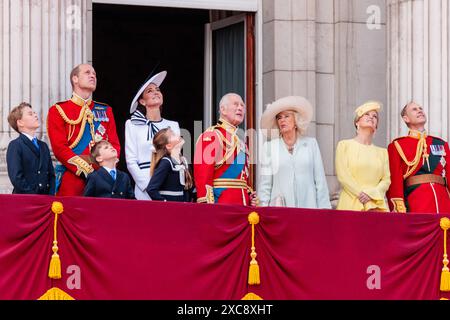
(113, 174)
(35, 142)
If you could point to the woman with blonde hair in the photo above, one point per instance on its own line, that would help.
(361, 167)
(292, 172)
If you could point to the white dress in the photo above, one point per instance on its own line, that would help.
(139, 134)
(299, 178)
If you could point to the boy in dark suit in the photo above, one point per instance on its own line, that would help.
(30, 166)
(107, 181)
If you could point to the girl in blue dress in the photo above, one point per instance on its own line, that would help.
(170, 176)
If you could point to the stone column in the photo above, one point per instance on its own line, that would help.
(418, 60)
(41, 41)
(359, 66)
(332, 52)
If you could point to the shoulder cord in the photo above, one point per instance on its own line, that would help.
(85, 114)
(421, 151)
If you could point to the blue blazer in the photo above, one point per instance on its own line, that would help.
(29, 169)
(100, 184)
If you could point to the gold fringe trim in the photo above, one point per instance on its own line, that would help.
(85, 115)
(55, 294)
(445, 274)
(251, 296)
(421, 151)
(253, 272)
(54, 270)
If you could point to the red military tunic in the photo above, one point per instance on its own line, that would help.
(419, 175)
(73, 126)
(221, 166)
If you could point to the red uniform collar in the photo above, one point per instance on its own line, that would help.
(79, 101)
(417, 134)
(226, 125)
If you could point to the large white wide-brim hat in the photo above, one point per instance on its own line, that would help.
(156, 79)
(291, 103)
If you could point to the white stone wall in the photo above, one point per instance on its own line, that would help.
(326, 51)
(419, 66)
(329, 51)
(41, 40)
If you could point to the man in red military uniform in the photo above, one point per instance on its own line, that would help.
(73, 126)
(221, 159)
(418, 165)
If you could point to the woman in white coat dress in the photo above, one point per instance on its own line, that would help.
(140, 129)
(292, 172)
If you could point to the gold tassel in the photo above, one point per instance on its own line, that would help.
(54, 271)
(445, 275)
(253, 272)
(55, 294)
(251, 296)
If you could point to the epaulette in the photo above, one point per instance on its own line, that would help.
(60, 102)
(206, 135)
(101, 103)
(439, 138)
(399, 138)
(211, 129)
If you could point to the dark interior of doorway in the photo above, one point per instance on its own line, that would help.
(129, 41)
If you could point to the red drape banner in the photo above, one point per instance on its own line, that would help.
(124, 249)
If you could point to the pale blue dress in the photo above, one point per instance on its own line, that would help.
(299, 177)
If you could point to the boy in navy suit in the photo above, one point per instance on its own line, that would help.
(30, 166)
(107, 181)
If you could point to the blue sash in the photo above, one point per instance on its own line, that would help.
(84, 142)
(233, 172)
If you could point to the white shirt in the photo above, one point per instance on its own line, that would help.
(109, 170)
(28, 136)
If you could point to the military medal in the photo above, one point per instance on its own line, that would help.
(437, 150)
(101, 129)
(100, 115)
(98, 137)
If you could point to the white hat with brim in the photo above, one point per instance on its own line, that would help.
(156, 79)
(291, 103)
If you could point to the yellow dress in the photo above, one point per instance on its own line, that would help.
(362, 168)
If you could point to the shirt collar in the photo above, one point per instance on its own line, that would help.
(417, 134)
(109, 169)
(80, 101)
(28, 136)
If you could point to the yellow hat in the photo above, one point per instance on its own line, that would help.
(366, 107)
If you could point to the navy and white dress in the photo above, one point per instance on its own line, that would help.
(139, 132)
(168, 181)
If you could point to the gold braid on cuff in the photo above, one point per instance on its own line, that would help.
(83, 167)
(399, 205)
